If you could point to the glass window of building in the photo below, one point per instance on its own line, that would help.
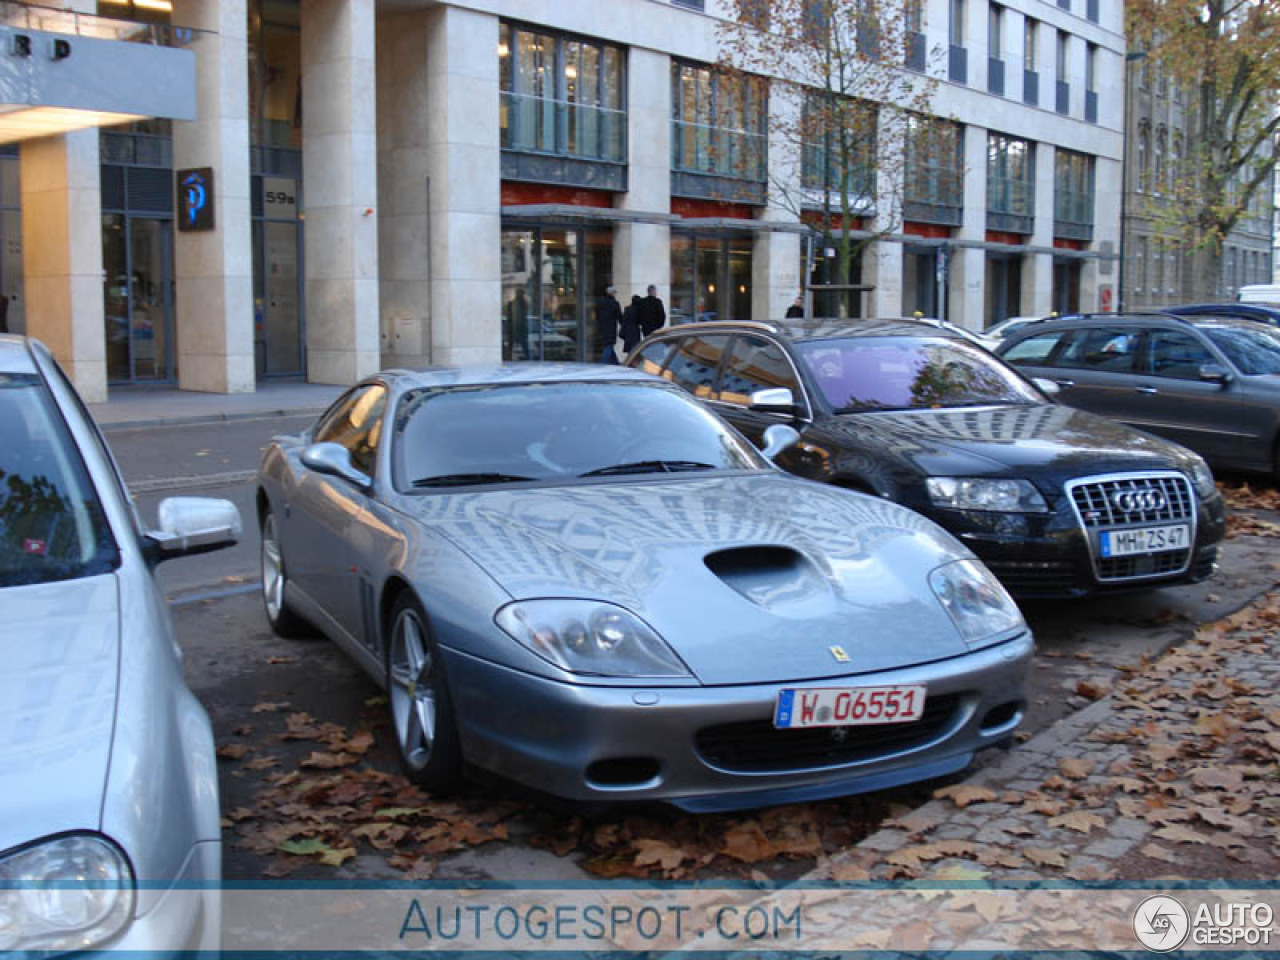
(1064, 52)
(275, 74)
(561, 95)
(1029, 53)
(1010, 175)
(935, 161)
(1144, 148)
(1073, 181)
(995, 31)
(840, 136)
(1158, 168)
(956, 24)
(719, 122)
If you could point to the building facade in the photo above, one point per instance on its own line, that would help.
(1158, 268)
(403, 182)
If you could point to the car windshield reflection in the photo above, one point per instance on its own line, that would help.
(908, 373)
(51, 524)
(1251, 351)
(539, 432)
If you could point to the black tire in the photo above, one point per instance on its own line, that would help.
(284, 621)
(422, 717)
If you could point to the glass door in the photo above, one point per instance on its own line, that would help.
(137, 254)
(597, 274)
(277, 328)
(560, 331)
(520, 293)
(707, 263)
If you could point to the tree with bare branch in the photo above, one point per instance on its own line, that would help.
(1225, 56)
(849, 94)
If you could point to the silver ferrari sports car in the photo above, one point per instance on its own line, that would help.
(579, 579)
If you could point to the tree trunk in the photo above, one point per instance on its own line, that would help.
(1205, 275)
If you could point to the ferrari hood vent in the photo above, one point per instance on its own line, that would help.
(772, 577)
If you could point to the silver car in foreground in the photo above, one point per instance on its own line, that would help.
(109, 831)
(578, 578)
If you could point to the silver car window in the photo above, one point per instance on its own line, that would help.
(52, 526)
(557, 432)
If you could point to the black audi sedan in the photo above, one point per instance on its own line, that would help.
(1056, 501)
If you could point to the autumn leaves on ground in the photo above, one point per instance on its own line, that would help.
(1193, 740)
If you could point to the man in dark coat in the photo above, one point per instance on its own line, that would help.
(652, 315)
(796, 310)
(631, 324)
(608, 315)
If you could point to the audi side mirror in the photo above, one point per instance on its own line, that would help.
(775, 400)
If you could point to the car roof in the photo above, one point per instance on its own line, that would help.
(515, 373)
(821, 328)
(1232, 309)
(1130, 320)
(15, 354)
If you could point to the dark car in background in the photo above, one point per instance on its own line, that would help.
(1210, 383)
(1056, 501)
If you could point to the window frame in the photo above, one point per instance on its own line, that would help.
(800, 395)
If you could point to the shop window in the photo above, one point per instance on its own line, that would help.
(1010, 177)
(719, 122)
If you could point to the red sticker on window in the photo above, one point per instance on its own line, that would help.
(35, 546)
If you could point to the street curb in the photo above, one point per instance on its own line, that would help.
(207, 418)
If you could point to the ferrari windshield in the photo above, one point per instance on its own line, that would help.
(513, 433)
(858, 374)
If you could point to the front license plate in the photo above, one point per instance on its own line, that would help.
(847, 706)
(1122, 543)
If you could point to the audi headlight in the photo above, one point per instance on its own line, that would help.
(71, 893)
(977, 603)
(1202, 479)
(980, 493)
(589, 637)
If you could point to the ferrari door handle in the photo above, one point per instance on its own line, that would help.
(1146, 389)
(1065, 383)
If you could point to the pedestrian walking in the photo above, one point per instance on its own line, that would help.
(652, 314)
(608, 315)
(796, 310)
(631, 325)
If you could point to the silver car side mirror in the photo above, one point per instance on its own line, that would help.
(191, 525)
(335, 460)
(1048, 387)
(774, 400)
(1215, 373)
(778, 438)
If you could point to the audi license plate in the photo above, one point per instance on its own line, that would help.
(848, 706)
(1122, 543)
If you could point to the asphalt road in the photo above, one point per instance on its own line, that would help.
(235, 664)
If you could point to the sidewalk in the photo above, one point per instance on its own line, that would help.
(132, 407)
(1172, 775)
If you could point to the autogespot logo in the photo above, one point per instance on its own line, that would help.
(1161, 923)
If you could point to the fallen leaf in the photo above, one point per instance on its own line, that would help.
(849, 872)
(746, 842)
(1045, 856)
(1180, 834)
(314, 845)
(1075, 768)
(1156, 852)
(232, 751)
(262, 763)
(1093, 689)
(278, 660)
(328, 761)
(1079, 820)
(963, 794)
(268, 706)
(1228, 778)
(651, 852)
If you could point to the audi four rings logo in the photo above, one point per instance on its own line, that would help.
(1131, 501)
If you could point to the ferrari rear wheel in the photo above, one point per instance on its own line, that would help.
(421, 709)
(284, 622)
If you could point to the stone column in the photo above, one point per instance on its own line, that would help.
(404, 282)
(1099, 274)
(966, 303)
(1037, 279)
(214, 269)
(62, 255)
(642, 251)
(340, 189)
(463, 185)
(775, 260)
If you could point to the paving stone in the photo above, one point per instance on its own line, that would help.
(953, 831)
(884, 841)
(1129, 829)
(1111, 847)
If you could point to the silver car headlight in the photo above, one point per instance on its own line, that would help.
(1202, 479)
(590, 637)
(976, 601)
(70, 893)
(982, 493)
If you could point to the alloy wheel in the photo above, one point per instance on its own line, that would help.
(413, 689)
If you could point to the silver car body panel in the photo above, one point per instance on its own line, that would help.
(158, 799)
(861, 582)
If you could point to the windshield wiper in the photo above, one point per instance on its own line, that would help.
(649, 466)
(464, 479)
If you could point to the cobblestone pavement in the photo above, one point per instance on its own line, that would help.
(1174, 774)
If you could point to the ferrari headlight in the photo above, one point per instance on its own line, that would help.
(1202, 479)
(982, 493)
(977, 603)
(70, 893)
(589, 637)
